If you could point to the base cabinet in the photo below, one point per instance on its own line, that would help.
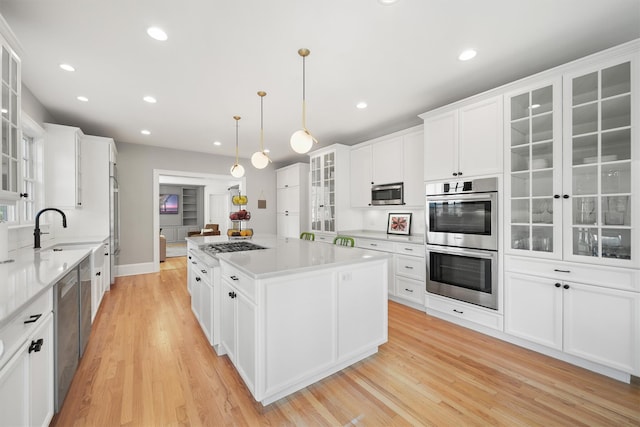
(26, 381)
(595, 323)
(203, 284)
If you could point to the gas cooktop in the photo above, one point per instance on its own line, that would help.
(242, 245)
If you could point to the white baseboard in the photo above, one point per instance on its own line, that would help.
(133, 269)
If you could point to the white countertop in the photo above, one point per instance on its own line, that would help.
(288, 256)
(381, 235)
(34, 271)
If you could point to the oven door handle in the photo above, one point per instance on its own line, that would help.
(459, 197)
(477, 253)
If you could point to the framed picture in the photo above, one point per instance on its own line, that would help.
(399, 223)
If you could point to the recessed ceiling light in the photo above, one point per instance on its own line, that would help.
(82, 98)
(387, 2)
(361, 105)
(145, 132)
(157, 33)
(150, 99)
(217, 143)
(67, 67)
(467, 55)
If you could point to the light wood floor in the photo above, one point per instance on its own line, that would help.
(148, 364)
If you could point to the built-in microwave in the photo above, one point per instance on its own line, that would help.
(387, 194)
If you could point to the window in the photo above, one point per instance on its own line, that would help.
(29, 178)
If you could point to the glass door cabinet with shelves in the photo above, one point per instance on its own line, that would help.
(323, 192)
(600, 143)
(533, 165)
(10, 126)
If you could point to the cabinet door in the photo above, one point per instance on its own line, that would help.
(206, 309)
(360, 177)
(441, 146)
(323, 197)
(227, 319)
(288, 177)
(41, 375)
(533, 309)
(246, 340)
(414, 169)
(480, 142)
(387, 161)
(602, 325)
(9, 126)
(288, 199)
(288, 225)
(600, 140)
(533, 215)
(14, 392)
(196, 285)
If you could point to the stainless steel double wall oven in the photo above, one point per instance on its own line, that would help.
(462, 240)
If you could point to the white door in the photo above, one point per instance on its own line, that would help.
(219, 210)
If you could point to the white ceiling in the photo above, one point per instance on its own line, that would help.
(400, 59)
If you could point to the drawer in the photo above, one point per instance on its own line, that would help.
(324, 238)
(410, 289)
(464, 311)
(376, 245)
(411, 249)
(13, 334)
(412, 267)
(610, 277)
(239, 280)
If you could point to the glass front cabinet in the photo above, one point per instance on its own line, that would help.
(571, 169)
(10, 127)
(323, 192)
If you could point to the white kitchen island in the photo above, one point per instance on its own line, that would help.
(298, 311)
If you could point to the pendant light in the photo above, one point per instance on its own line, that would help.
(237, 171)
(302, 141)
(260, 159)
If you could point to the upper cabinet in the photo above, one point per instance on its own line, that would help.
(10, 128)
(329, 191)
(63, 166)
(465, 141)
(571, 145)
(390, 159)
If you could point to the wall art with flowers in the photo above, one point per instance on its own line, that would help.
(399, 223)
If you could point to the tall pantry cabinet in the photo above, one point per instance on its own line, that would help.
(292, 200)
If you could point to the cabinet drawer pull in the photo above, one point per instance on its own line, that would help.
(557, 285)
(33, 318)
(458, 311)
(566, 286)
(99, 273)
(408, 267)
(36, 345)
(204, 271)
(234, 278)
(198, 279)
(408, 290)
(408, 249)
(562, 271)
(373, 244)
(193, 262)
(232, 295)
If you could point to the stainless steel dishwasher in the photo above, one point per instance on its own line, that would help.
(85, 303)
(67, 333)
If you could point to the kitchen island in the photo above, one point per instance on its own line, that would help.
(297, 311)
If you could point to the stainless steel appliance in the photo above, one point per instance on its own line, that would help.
(463, 214)
(84, 304)
(114, 219)
(234, 246)
(387, 194)
(462, 241)
(67, 334)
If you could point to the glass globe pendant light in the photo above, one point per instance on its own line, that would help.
(259, 159)
(302, 141)
(237, 171)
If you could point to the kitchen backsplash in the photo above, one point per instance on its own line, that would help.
(376, 219)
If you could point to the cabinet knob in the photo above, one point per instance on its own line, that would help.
(33, 318)
(36, 345)
(204, 271)
(99, 273)
(24, 195)
(565, 196)
(459, 173)
(234, 278)
(198, 279)
(566, 286)
(557, 285)
(556, 196)
(232, 295)
(193, 262)
(455, 174)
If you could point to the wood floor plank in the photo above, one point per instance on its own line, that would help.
(149, 364)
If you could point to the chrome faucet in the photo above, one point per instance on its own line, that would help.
(37, 232)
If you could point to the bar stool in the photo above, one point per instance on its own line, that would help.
(305, 235)
(344, 241)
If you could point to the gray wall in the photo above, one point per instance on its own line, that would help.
(34, 109)
(171, 219)
(135, 168)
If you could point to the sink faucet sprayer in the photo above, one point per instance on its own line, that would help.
(37, 232)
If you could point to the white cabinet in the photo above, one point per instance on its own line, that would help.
(26, 372)
(595, 323)
(205, 301)
(465, 141)
(570, 159)
(10, 84)
(239, 318)
(292, 200)
(390, 159)
(329, 191)
(63, 166)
